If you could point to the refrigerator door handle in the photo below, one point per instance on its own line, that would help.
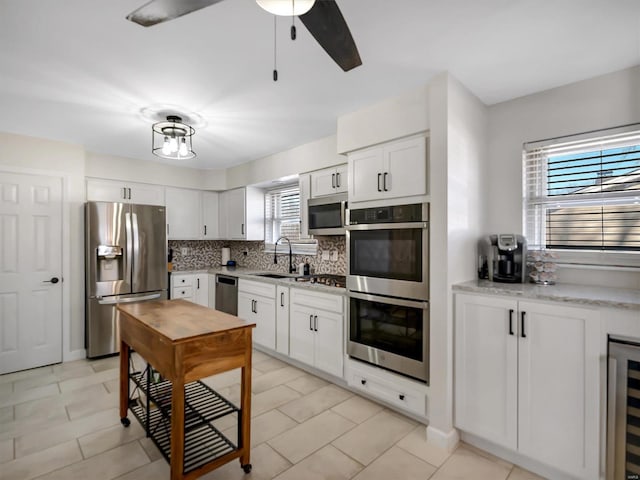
(135, 260)
(117, 300)
(127, 226)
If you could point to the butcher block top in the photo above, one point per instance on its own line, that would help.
(180, 320)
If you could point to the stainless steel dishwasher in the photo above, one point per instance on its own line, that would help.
(227, 294)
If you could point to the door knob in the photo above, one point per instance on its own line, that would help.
(53, 280)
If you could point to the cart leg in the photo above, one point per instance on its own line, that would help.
(124, 383)
(245, 410)
(177, 429)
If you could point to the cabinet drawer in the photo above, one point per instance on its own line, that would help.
(320, 300)
(395, 391)
(257, 288)
(181, 280)
(182, 292)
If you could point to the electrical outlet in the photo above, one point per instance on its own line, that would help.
(334, 255)
(184, 251)
(325, 254)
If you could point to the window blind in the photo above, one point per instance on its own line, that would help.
(584, 193)
(282, 219)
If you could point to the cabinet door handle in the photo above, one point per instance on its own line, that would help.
(205, 230)
(182, 292)
(198, 281)
(379, 175)
(522, 332)
(511, 321)
(333, 180)
(256, 307)
(282, 299)
(363, 381)
(337, 180)
(311, 322)
(401, 396)
(384, 181)
(315, 323)
(124, 193)
(129, 194)
(242, 228)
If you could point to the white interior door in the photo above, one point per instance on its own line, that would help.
(30, 257)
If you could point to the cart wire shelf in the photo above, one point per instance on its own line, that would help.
(202, 403)
(202, 444)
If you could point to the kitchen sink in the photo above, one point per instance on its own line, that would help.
(270, 275)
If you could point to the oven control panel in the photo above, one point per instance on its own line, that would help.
(390, 214)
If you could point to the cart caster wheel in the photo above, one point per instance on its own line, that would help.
(125, 421)
(246, 468)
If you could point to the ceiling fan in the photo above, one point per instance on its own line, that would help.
(324, 21)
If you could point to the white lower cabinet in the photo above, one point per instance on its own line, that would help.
(201, 289)
(316, 329)
(182, 286)
(527, 379)
(282, 319)
(256, 303)
(192, 287)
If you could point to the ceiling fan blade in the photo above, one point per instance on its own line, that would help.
(158, 11)
(327, 25)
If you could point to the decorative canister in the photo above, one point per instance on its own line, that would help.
(542, 267)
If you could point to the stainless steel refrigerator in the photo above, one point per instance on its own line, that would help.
(126, 261)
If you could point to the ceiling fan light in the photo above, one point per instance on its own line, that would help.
(286, 8)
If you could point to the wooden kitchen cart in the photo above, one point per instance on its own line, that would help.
(185, 342)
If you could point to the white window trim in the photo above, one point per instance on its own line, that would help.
(578, 258)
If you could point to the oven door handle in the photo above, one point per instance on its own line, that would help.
(388, 226)
(390, 301)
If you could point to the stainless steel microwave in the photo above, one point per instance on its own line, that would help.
(327, 215)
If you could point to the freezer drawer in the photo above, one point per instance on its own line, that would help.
(102, 334)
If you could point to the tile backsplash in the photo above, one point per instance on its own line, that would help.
(201, 254)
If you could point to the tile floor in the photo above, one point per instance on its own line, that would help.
(62, 422)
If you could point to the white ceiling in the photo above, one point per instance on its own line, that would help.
(77, 71)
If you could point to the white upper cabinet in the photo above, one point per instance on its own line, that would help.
(191, 214)
(183, 214)
(329, 181)
(242, 214)
(210, 216)
(392, 170)
(99, 190)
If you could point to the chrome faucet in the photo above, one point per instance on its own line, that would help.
(275, 253)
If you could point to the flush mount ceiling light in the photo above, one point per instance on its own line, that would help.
(172, 139)
(286, 7)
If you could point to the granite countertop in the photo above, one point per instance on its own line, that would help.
(249, 274)
(570, 293)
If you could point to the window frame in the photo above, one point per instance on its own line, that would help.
(299, 246)
(534, 194)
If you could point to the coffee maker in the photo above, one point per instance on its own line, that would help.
(502, 258)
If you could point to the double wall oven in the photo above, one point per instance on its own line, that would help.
(388, 286)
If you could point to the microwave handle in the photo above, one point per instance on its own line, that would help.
(389, 300)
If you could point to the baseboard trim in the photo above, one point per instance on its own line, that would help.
(74, 355)
(445, 440)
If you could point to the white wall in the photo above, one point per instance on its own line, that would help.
(392, 118)
(144, 171)
(601, 102)
(38, 156)
(304, 158)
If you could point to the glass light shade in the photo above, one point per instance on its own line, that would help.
(172, 139)
(286, 8)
